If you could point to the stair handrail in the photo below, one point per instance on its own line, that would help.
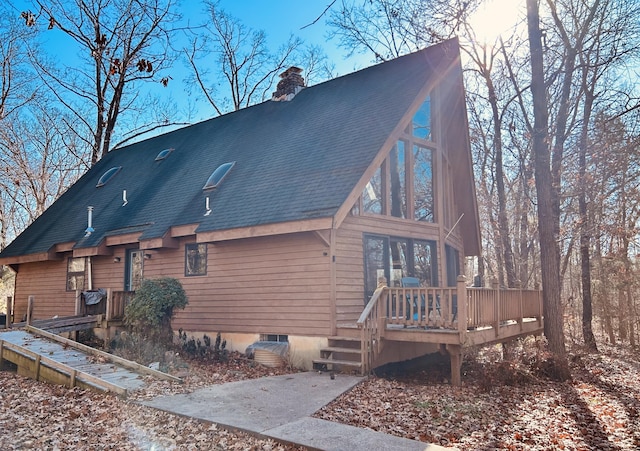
(372, 324)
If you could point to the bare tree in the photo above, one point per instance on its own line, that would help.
(241, 56)
(120, 45)
(37, 166)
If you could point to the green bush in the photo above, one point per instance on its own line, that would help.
(149, 312)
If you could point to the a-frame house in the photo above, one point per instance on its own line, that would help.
(336, 217)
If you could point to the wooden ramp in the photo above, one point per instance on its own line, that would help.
(45, 356)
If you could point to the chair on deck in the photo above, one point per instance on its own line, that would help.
(413, 282)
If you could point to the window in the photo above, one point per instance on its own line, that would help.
(108, 176)
(218, 175)
(75, 274)
(422, 120)
(395, 258)
(453, 265)
(274, 337)
(422, 184)
(163, 154)
(372, 196)
(195, 259)
(398, 181)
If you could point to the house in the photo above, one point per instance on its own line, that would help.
(282, 219)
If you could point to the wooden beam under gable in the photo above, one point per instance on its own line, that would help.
(165, 241)
(183, 230)
(283, 228)
(126, 238)
(100, 249)
(64, 247)
(324, 236)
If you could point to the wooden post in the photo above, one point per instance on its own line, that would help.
(109, 306)
(520, 304)
(30, 309)
(72, 378)
(9, 312)
(462, 307)
(496, 306)
(8, 321)
(455, 356)
(36, 370)
(78, 310)
(1, 351)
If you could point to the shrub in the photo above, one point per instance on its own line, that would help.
(149, 312)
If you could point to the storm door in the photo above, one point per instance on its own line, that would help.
(133, 269)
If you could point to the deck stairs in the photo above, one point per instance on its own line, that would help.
(42, 355)
(343, 354)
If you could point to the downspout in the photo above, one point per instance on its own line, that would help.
(89, 275)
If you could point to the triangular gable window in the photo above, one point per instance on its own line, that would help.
(108, 176)
(218, 175)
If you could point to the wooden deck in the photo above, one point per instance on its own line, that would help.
(45, 356)
(453, 318)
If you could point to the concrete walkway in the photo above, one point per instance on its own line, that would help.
(280, 407)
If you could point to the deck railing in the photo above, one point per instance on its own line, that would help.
(371, 324)
(435, 308)
(116, 302)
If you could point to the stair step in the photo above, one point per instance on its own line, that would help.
(338, 362)
(343, 338)
(341, 350)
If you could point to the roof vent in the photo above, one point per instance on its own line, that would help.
(290, 84)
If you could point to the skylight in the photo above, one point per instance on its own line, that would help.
(163, 154)
(218, 175)
(108, 176)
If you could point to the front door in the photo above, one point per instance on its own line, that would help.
(133, 269)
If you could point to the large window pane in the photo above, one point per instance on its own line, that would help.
(399, 259)
(375, 263)
(422, 184)
(424, 263)
(398, 181)
(422, 121)
(372, 195)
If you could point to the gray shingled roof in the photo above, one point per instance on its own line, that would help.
(294, 160)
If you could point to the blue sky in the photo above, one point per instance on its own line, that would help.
(278, 18)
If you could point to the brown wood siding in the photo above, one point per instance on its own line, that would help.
(350, 259)
(274, 285)
(47, 281)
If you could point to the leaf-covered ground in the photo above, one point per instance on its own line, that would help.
(508, 405)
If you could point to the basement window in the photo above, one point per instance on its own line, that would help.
(274, 337)
(163, 154)
(218, 175)
(108, 176)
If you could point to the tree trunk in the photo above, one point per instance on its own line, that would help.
(585, 234)
(546, 195)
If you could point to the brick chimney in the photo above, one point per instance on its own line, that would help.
(291, 83)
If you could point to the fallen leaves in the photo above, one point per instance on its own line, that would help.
(597, 410)
(37, 415)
